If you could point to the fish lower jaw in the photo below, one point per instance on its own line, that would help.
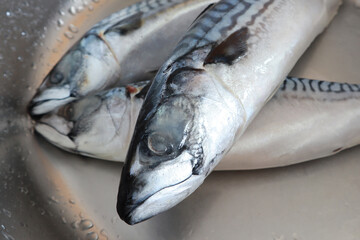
(163, 200)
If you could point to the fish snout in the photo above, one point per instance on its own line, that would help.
(148, 189)
(134, 210)
(125, 204)
(49, 99)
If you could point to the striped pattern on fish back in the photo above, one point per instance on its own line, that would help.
(146, 8)
(319, 90)
(223, 19)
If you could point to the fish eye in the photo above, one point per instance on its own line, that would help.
(157, 147)
(166, 132)
(158, 144)
(66, 111)
(57, 78)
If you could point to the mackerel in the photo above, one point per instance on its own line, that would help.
(223, 71)
(128, 45)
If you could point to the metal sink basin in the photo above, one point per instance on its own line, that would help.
(46, 193)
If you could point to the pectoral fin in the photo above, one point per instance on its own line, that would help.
(127, 25)
(231, 49)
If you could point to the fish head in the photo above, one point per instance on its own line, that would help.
(176, 144)
(98, 125)
(82, 70)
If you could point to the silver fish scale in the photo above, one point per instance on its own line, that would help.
(218, 23)
(326, 91)
(147, 7)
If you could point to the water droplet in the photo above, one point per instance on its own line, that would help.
(104, 234)
(61, 12)
(32, 203)
(85, 2)
(60, 22)
(24, 190)
(73, 28)
(80, 8)
(6, 212)
(86, 224)
(72, 10)
(20, 59)
(113, 219)
(42, 211)
(75, 225)
(71, 201)
(63, 219)
(68, 35)
(22, 224)
(91, 8)
(8, 14)
(53, 199)
(92, 236)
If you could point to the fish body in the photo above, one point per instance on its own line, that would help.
(223, 71)
(126, 45)
(306, 119)
(291, 128)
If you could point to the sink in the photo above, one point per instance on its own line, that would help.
(46, 193)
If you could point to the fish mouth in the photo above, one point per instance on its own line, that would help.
(37, 109)
(59, 138)
(55, 136)
(136, 211)
(49, 100)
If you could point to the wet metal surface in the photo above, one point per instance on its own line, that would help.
(46, 193)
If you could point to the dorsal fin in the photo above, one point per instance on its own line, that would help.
(231, 49)
(202, 13)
